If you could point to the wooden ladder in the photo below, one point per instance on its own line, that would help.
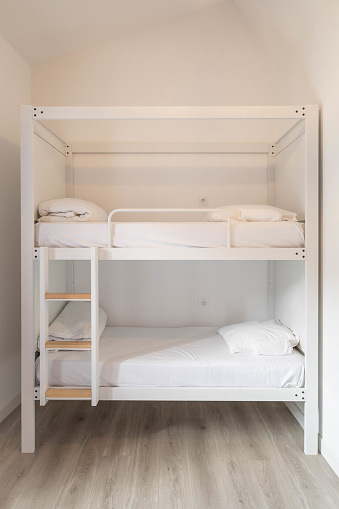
(68, 393)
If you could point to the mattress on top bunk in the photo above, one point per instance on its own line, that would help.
(173, 357)
(169, 234)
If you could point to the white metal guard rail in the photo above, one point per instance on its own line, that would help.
(219, 211)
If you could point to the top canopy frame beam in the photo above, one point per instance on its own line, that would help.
(167, 112)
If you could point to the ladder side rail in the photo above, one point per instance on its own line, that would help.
(95, 325)
(44, 322)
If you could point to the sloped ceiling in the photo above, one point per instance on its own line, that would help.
(40, 30)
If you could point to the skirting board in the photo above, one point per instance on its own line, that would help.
(8, 407)
(324, 449)
(331, 458)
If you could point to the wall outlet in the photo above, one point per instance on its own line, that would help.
(203, 201)
(203, 303)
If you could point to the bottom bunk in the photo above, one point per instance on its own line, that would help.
(173, 357)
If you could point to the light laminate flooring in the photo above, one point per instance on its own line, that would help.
(163, 455)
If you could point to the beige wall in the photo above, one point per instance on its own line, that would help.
(15, 89)
(209, 58)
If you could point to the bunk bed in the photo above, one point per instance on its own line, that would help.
(155, 363)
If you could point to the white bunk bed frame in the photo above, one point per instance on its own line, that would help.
(32, 118)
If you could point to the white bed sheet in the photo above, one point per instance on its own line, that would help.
(179, 234)
(173, 357)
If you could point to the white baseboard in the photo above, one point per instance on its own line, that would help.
(331, 458)
(8, 407)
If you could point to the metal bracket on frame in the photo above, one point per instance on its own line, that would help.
(36, 392)
(36, 253)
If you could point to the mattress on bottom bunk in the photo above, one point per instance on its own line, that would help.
(178, 234)
(173, 357)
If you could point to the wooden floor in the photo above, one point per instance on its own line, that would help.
(150, 455)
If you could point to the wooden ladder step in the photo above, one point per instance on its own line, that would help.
(68, 345)
(68, 393)
(68, 296)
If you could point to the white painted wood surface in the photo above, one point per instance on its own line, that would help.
(95, 325)
(308, 255)
(27, 282)
(167, 112)
(44, 324)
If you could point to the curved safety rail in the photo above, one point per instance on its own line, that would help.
(219, 211)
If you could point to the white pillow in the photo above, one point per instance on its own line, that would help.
(260, 338)
(72, 209)
(61, 219)
(253, 213)
(74, 322)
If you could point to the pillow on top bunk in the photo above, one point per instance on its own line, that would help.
(252, 213)
(74, 322)
(71, 209)
(260, 338)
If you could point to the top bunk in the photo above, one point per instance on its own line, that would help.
(165, 178)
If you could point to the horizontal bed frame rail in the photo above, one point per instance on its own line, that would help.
(201, 394)
(167, 112)
(196, 394)
(169, 148)
(177, 253)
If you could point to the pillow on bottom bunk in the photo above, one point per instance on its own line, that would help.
(261, 338)
(74, 323)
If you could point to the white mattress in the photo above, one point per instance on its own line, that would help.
(173, 357)
(179, 234)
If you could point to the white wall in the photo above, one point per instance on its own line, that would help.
(15, 76)
(303, 39)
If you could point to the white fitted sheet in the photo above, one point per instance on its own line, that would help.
(173, 357)
(178, 234)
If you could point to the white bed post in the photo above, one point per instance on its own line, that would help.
(44, 377)
(27, 283)
(311, 424)
(94, 326)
